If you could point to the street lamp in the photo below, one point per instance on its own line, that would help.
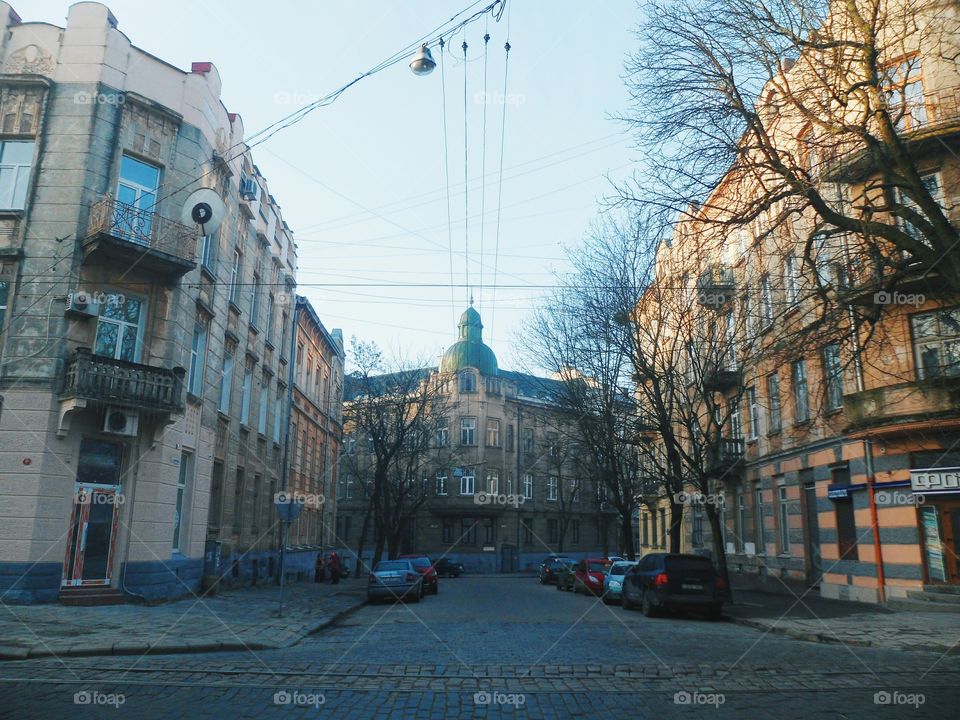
(423, 62)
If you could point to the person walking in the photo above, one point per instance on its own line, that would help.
(334, 568)
(319, 570)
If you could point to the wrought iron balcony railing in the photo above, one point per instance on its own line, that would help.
(118, 382)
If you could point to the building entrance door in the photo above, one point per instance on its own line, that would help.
(812, 528)
(950, 518)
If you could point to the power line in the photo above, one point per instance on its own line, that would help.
(446, 177)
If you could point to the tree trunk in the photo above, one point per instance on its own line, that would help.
(626, 536)
(676, 525)
(363, 539)
(719, 550)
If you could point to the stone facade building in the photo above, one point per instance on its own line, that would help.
(143, 375)
(501, 437)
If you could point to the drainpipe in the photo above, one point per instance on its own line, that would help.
(867, 448)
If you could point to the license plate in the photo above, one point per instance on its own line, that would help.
(687, 586)
(391, 581)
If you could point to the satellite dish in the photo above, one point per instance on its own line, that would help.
(204, 208)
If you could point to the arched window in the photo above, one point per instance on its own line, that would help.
(468, 382)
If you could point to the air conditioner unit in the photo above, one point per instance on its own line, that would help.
(118, 421)
(82, 303)
(249, 190)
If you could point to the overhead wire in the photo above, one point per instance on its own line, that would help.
(483, 152)
(446, 177)
(503, 133)
(466, 175)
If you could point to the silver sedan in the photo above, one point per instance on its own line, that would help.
(395, 580)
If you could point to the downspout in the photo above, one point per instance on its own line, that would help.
(867, 448)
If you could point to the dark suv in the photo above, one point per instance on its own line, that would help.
(664, 581)
(551, 567)
(450, 568)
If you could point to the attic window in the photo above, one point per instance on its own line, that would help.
(468, 382)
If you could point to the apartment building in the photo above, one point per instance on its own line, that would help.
(141, 374)
(848, 440)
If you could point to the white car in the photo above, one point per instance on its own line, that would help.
(613, 580)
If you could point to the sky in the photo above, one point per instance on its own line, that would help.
(363, 182)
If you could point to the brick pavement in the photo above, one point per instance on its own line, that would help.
(238, 619)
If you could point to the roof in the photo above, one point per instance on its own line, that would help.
(470, 350)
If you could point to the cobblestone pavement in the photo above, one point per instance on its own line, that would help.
(240, 619)
(498, 647)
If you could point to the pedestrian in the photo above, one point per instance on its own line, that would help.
(334, 568)
(318, 570)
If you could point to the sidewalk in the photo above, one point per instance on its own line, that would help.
(817, 619)
(235, 620)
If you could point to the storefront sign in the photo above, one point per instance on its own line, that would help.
(935, 480)
(841, 492)
(931, 541)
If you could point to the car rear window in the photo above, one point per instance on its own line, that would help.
(599, 567)
(688, 564)
(420, 562)
(392, 565)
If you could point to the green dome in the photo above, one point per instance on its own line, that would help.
(469, 350)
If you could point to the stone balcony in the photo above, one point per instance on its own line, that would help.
(721, 378)
(725, 458)
(97, 380)
(932, 404)
(716, 286)
(138, 239)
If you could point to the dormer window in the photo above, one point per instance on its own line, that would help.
(468, 382)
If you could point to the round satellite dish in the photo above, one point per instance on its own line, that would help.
(205, 209)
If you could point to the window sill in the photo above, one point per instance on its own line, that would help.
(235, 309)
(223, 415)
(207, 273)
(832, 411)
(802, 423)
(12, 212)
(774, 433)
(194, 399)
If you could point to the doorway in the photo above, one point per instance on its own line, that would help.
(814, 564)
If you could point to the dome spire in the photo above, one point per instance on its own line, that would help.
(469, 350)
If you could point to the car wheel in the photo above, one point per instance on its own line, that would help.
(625, 601)
(649, 609)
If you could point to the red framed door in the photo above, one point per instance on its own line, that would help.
(92, 537)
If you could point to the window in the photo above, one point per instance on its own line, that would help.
(468, 431)
(226, 381)
(493, 482)
(553, 530)
(207, 245)
(15, 160)
(119, 328)
(245, 394)
(552, 487)
(833, 376)
(278, 416)
(783, 522)
(186, 474)
(754, 408)
(527, 526)
(740, 520)
(653, 528)
(468, 531)
(663, 527)
(262, 406)
(574, 532)
(283, 335)
(216, 495)
(553, 447)
(509, 487)
(271, 306)
(136, 197)
(448, 531)
(846, 528)
(466, 481)
(441, 487)
(255, 304)
(936, 343)
(528, 486)
(697, 533)
(801, 404)
(509, 427)
(731, 354)
(236, 273)
(758, 538)
(933, 186)
(468, 382)
(493, 433)
(347, 523)
(4, 292)
(773, 398)
(903, 90)
(528, 440)
(766, 302)
(238, 503)
(489, 538)
(198, 357)
(736, 423)
(442, 437)
(791, 289)
(574, 491)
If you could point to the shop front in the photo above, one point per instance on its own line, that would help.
(938, 503)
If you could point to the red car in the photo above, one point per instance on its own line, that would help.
(424, 566)
(588, 576)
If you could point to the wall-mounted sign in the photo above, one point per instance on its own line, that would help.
(932, 544)
(933, 480)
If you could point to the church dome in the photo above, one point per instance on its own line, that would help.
(469, 350)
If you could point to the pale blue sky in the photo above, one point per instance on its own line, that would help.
(361, 182)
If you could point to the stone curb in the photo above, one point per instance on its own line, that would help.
(177, 648)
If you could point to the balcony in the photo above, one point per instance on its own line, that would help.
(722, 378)
(716, 286)
(124, 234)
(922, 126)
(726, 457)
(905, 408)
(106, 381)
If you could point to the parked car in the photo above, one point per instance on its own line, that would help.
(565, 575)
(450, 568)
(665, 581)
(613, 580)
(589, 574)
(550, 567)
(395, 580)
(424, 566)
(614, 558)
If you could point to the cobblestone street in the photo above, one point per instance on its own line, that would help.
(490, 647)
